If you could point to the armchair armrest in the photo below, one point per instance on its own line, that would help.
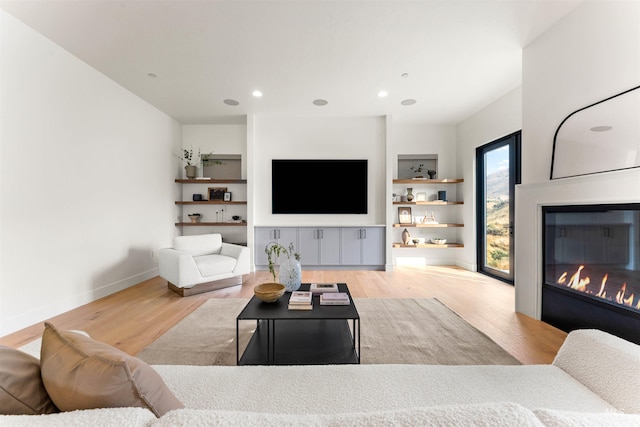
(240, 253)
(177, 267)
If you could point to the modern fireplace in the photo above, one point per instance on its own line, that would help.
(591, 268)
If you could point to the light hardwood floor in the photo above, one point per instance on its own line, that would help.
(133, 318)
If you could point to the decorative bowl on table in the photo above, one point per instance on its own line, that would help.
(269, 292)
(438, 241)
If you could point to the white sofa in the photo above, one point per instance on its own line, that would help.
(202, 260)
(593, 381)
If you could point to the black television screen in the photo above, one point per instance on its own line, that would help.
(319, 186)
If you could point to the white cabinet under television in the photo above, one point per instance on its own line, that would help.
(339, 247)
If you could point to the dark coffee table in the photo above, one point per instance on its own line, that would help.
(328, 334)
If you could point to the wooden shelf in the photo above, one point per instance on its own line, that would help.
(429, 245)
(431, 203)
(215, 224)
(211, 181)
(428, 181)
(212, 202)
(428, 225)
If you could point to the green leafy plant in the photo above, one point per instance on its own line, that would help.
(275, 249)
(191, 158)
(418, 169)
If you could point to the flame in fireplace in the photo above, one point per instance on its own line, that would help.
(580, 284)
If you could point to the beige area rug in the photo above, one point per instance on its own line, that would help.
(394, 330)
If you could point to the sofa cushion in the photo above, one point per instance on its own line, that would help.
(21, 388)
(490, 414)
(213, 265)
(81, 373)
(607, 365)
(552, 418)
(198, 245)
(102, 417)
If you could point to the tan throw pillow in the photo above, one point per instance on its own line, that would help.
(21, 388)
(81, 373)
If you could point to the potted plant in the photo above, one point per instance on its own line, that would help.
(192, 161)
(290, 272)
(195, 217)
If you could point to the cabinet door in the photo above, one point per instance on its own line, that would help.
(372, 245)
(266, 235)
(309, 245)
(351, 246)
(330, 246)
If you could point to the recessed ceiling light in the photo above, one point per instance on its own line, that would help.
(404, 75)
(408, 102)
(152, 76)
(600, 128)
(320, 102)
(231, 102)
(382, 94)
(256, 93)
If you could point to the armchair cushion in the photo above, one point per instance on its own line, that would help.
(213, 265)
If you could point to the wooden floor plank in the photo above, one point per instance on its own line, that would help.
(135, 317)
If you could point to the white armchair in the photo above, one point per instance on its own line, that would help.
(202, 263)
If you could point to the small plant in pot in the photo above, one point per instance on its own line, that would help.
(195, 217)
(289, 272)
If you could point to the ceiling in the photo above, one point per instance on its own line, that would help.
(453, 57)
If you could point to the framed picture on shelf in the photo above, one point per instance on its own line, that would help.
(227, 197)
(217, 193)
(404, 215)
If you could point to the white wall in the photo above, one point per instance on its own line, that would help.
(500, 118)
(85, 171)
(591, 54)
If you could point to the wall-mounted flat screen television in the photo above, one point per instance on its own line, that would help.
(307, 186)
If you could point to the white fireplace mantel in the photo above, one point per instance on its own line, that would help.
(611, 187)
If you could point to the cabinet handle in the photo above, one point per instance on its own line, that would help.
(364, 233)
(321, 234)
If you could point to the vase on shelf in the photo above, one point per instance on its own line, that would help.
(406, 237)
(409, 194)
(290, 274)
(191, 171)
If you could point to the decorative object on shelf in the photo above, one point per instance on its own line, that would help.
(438, 241)
(406, 237)
(418, 169)
(404, 215)
(192, 161)
(227, 197)
(269, 292)
(197, 197)
(431, 173)
(290, 271)
(442, 196)
(421, 197)
(235, 217)
(415, 240)
(429, 218)
(217, 193)
(409, 194)
(195, 217)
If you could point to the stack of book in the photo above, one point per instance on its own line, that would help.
(320, 288)
(301, 300)
(334, 298)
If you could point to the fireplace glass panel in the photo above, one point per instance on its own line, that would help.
(594, 251)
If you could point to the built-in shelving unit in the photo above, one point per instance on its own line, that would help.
(208, 205)
(420, 184)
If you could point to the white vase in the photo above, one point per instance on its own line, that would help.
(290, 274)
(191, 171)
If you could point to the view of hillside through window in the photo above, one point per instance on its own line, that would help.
(497, 208)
